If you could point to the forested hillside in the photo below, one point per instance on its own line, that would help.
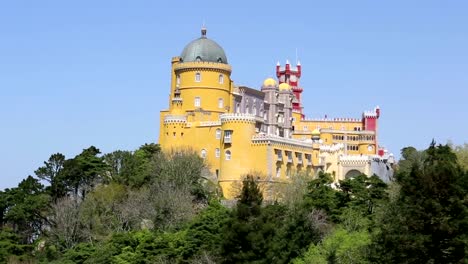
(145, 206)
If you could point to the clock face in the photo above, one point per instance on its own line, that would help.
(370, 148)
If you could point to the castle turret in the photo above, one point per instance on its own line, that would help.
(291, 76)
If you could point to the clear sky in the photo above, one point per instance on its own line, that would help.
(81, 73)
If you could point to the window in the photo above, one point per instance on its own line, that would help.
(221, 79)
(228, 155)
(227, 136)
(178, 79)
(237, 107)
(218, 133)
(217, 153)
(197, 77)
(289, 155)
(255, 110)
(197, 101)
(220, 103)
(279, 156)
(299, 158)
(309, 159)
(203, 153)
(278, 172)
(288, 171)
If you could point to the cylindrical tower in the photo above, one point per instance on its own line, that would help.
(236, 159)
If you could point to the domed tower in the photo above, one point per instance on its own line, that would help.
(201, 91)
(201, 80)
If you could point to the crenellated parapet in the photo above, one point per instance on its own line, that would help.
(331, 120)
(202, 65)
(172, 119)
(273, 139)
(238, 118)
(354, 160)
(375, 113)
(332, 148)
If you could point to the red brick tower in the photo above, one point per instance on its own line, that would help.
(291, 76)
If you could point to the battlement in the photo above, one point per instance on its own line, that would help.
(332, 148)
(230, 117)
(168, 119)
(280, 140)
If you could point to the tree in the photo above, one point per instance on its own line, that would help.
(82, 172)
(132, 169)
(362, 193)
(26, 206)
(322, 196)
(50, 172)
(241, 231)
(462, 154)
(340, 247)
(428, 221)
(67, 229)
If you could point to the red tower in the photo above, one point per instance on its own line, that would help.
(291, 76)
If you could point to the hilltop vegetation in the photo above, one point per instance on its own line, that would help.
(145, 206)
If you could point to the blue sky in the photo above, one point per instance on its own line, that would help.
(81, 73)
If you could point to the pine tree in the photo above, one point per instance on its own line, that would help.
(428, 222)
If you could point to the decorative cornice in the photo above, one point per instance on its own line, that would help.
(202, 65)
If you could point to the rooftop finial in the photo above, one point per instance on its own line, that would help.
(203, 30)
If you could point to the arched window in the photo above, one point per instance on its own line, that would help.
(238, 108)
(221, 78)
(197, 77)
(228, 154)
(220, 103)
(203, 153)
(218, 133)
(255, 110)
(217, 152)
(178, 79)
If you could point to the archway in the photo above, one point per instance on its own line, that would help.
(352, 174)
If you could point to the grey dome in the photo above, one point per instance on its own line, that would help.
(203, 49)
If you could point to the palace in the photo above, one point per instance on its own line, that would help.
(241, 130)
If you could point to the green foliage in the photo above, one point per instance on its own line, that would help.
(340, 247)
(81, 172)
(25, 207)
(100, 210)
(132, 168)
(361, 193)
(428, 222)
(462, 155)
(50, 172)
(322, 196)
(204, 233)
(10, 246)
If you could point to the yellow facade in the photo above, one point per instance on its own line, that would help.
(260, 134)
